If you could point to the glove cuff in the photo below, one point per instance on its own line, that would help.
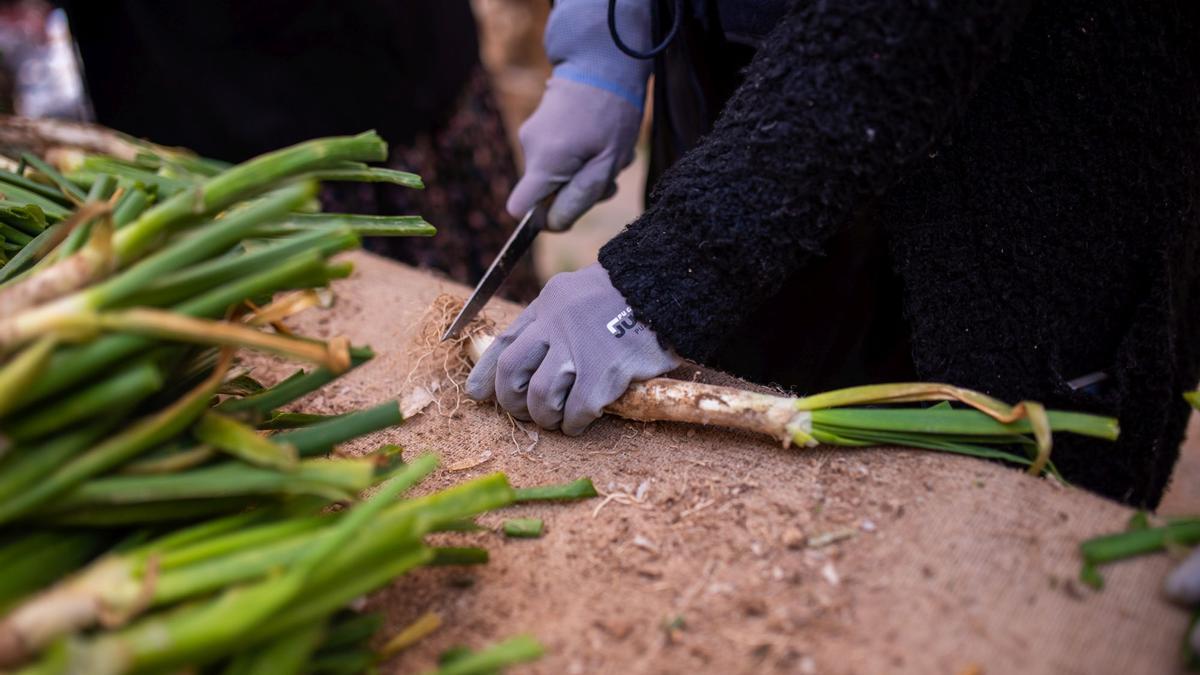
(633, 95)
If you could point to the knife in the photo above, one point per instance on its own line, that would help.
(518, 243)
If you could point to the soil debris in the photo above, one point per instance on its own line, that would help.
(829, 538)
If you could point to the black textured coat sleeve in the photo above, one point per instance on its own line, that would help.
(841, 96)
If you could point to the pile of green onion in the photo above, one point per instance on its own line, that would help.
(160, 511)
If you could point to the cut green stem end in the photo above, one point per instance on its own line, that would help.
(527, 528)
(578, 489)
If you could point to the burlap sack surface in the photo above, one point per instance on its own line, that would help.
(721, 552)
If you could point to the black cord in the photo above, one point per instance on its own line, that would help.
(676, 21)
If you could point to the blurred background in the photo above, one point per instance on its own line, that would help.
(40, 76)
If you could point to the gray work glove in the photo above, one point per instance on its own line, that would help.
(586, 126)
(580, 137)
(574, 350)
(1183, 586)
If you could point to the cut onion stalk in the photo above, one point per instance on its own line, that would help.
(839, 418)
(84, 266)
(165, 325)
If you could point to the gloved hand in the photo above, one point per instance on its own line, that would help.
(586, 126)
(574, 350)
(1183, 586)
(580, 137)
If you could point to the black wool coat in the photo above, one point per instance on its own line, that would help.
(1035, 167)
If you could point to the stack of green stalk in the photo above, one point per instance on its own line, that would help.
(249, 586)
(108, 346)
(159, 511)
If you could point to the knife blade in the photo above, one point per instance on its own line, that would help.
(514, 249)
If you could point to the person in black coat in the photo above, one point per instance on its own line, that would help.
(1032, 169)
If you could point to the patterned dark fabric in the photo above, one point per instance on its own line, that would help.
(468, 169)
(231, 79)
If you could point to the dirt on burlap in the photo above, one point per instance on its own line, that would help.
(720, 552)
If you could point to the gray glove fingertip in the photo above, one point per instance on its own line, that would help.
(548, 389)
(514, 369)
(578, 419)
(531, 188)
(581, 193)
(585, 404)
(481, 383)
(567, 209)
